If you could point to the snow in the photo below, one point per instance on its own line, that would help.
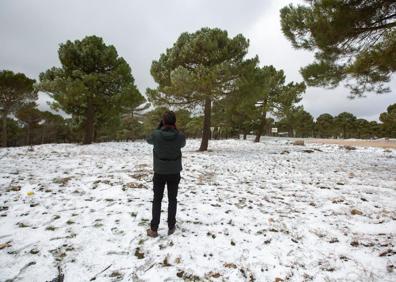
(247, 211)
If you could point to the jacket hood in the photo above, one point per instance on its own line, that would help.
(168, 134)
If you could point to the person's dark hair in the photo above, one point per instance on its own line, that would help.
(169, 118)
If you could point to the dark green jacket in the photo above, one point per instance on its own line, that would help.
(167, 150)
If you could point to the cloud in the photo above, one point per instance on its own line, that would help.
(318, 101)
(140, 30)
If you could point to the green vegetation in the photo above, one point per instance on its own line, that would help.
(389, 121)
(353, 41)
(205, 78)
(15, 91)
(93, 84)
(201, 68)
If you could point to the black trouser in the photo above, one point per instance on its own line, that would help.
(172, 182)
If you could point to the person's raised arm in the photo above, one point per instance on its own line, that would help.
(150, 139)
(183, 140)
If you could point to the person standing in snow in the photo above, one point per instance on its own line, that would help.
(167, 141)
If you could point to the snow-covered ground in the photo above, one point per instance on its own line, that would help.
(247, 212)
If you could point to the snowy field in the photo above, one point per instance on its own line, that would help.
(247, 212)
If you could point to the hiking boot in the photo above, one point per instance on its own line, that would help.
(151, 233)
(171, 231)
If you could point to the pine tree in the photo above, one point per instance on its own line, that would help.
(302, 123)
(15, 90)
(353, 41)
(325, 125)
(30, 116)
(388, 119)
(92, 84)
(285, 103)
(345, 123)
(199, 69)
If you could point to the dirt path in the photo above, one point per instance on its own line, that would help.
(389, 144)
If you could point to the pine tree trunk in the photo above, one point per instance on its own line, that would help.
(42, 135)
(29, 135)
(4, 131)
(206, 125)
(290, 132)
(261, 127)
(89, 123)
(95, 134)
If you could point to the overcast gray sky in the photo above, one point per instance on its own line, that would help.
(31, 31)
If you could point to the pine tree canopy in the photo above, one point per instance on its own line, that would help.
(354, 41)
(15, 90)
(202, 64)
(92, 83)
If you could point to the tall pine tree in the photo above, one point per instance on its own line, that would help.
(200, 68)
(15, 90)
(93, 82)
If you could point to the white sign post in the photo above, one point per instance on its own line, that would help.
(211, 131)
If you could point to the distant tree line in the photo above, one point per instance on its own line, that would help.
(30, 126)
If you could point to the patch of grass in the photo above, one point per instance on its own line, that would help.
(116, 274)
(139, 254)
(14, 188)
(22, 225)
(166, 263)
(132, 185)
(230, 265)
(213, 274)
(71, 235)
(143, 222)
(50, 228)
(34, 251)
(62, 181)
(354, 243)
(141, 242)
